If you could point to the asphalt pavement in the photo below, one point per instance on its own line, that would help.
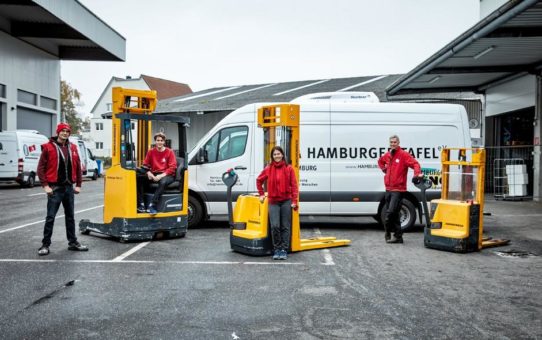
(197, 288)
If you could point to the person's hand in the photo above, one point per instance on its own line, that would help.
(294, 206)
(157, 178)
(421, 175)
(77, 190)
(262, 198)
(150, 176)
(48, 190)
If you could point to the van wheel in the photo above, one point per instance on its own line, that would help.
(195, 212)
(31, 180)
(407, 214)
(95, 175)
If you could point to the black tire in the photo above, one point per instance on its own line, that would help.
(95, 175)
(195, 212)
(407, 215)
(31, 180)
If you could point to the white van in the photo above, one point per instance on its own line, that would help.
(19, 156)
(342, 135)
(89, 166)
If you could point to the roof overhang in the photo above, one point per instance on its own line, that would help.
(503, 46)
(63, 28)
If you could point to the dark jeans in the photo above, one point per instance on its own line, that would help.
(393, 207)
(61, 194)
(144, 182)
(280, 219)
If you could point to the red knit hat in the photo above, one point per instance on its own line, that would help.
(63, 126)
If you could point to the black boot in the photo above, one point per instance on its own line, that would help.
(396, 240)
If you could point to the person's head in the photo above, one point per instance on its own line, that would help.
(160, 139)
(394, 142)
(63, 131)
(277, 154)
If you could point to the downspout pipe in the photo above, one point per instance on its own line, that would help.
(484, 27)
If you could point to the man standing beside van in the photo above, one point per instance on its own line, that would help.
(59, 168)
(395, 164)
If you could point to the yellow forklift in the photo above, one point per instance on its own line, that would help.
(121, 218)
(456, 221)
(250, 233)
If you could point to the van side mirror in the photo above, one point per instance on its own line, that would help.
(202, 156)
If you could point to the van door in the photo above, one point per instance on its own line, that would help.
(8, 156)
(82, 155)
(227, 149)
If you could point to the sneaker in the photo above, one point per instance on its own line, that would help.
(77, 247)
(276, 255)
(141, 208)
(44, 250)
(152, 210)
(283, 255)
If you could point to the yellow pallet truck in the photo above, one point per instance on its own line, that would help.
(121, 219)
(456, 220)
(250, 232)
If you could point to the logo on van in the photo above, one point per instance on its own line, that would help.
(28, 149)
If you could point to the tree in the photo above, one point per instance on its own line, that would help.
(69, 98)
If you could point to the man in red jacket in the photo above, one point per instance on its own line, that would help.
(59, 168)
(161, 165)
(395, 164)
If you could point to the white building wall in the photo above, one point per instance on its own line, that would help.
(27, 68)
(511, 96)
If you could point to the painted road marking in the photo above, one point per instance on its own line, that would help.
(39, 193)
(282, 263)
(328, 259)
(42, 221)
(130, 252)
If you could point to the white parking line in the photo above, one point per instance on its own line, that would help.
(130, 252)
(59, 216)
(328, 259)
(39, 193)
(282, 263)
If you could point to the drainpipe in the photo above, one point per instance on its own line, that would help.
(537, 155)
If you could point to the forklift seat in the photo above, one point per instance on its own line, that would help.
(177, 185)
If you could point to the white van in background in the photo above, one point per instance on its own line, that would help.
(342, 136)
(89, 166)
(19, 156)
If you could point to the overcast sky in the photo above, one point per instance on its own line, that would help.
(212, 43)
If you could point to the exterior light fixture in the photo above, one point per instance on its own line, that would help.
(434, 79)
(484, 52)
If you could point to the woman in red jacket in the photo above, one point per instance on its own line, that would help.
(282, 197)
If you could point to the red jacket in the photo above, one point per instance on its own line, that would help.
(274, 195)
(396, 169)
(161, 161)
(50, 161)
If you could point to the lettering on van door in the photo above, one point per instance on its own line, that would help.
(216, 181)
(368, 153)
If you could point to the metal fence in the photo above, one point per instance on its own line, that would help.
(497, 157)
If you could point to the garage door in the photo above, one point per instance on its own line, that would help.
(35, 120)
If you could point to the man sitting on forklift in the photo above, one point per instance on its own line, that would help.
(160, 163)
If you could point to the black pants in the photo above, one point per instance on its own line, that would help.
(280, 219)
(144, 183)
(64, 195)
(393, 207)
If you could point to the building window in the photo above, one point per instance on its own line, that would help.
(133, 126)
(99, 126)
(2, 91)
(99, 145)
(48, 103)
(108, 107)
(27, 97)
